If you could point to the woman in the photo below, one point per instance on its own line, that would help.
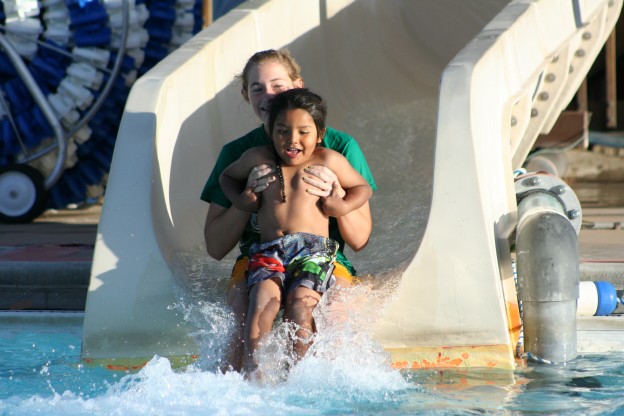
(266, 74)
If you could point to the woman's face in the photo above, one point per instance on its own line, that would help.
(265, 82)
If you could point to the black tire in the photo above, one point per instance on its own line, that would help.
(23, 196)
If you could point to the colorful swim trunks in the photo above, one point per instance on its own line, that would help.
(299, 259)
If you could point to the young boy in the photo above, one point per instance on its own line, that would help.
(295, 257)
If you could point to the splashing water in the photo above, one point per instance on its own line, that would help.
(344, 371)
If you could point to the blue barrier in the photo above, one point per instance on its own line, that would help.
(88, 22)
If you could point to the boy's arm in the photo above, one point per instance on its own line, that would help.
(356, 226)
(233, 183)
(357, 189)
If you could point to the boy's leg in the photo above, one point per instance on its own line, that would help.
(237, 299)
(300, 304)
(265, 300)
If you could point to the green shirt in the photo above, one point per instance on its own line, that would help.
(333, 139)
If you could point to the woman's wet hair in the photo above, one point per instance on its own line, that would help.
(281, 56)
(299, 98)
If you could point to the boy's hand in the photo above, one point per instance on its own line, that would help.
(259, 179)
(333, 204)
(323, 180)
(248, 200)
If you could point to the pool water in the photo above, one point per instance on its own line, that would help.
(345, 374)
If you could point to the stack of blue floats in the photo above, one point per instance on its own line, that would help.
(89, 29)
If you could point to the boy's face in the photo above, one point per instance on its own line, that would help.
(295, 136)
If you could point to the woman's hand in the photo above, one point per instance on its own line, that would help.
(260, 178)
(324, 182)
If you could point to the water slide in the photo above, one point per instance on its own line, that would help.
(445, 97)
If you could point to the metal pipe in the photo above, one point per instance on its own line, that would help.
(548, 277)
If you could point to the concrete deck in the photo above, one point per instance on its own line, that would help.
(601, 245)
(46, 265)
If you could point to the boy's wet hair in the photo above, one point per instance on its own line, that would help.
(281, 56)
(299, 98)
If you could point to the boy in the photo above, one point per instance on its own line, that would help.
(295, 256)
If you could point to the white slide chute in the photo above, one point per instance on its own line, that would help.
(445, 97)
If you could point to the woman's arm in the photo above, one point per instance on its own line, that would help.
(223, 229)
(355, 227)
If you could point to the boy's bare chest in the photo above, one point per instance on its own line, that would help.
(289, 183)
(289, 186)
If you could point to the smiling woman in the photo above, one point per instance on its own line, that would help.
(266, 74)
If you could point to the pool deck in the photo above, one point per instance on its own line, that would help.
(46, 265)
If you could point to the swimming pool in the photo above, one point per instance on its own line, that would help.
(40, 373)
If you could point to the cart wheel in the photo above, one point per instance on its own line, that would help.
(23, 196)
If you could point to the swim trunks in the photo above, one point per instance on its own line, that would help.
(299, 259)
(237, 278)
